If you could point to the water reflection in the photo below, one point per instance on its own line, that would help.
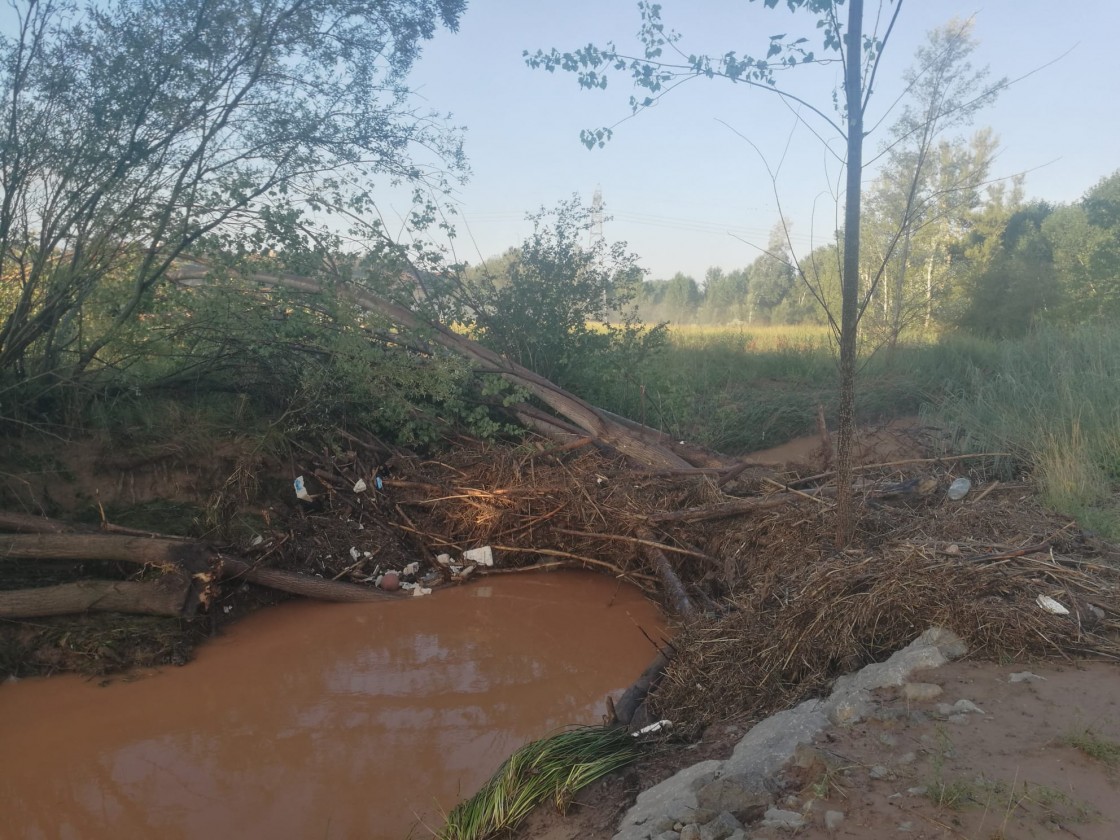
(319, 720)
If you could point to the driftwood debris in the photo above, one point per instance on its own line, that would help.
(169, 595)
(625, 711)
(188, 571)
(297, 584)
(739, 507)
(674, 589)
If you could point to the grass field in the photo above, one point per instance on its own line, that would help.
(738, 389)
(1051, 399)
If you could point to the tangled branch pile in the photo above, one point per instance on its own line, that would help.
(780, 612)
(742, 556)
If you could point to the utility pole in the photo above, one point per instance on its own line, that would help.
(595, 235)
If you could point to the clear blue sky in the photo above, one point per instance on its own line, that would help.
(678, 182)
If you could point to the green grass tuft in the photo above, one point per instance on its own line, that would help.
(551, 769)
(1095, 746)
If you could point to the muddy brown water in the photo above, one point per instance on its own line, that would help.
(321, 720)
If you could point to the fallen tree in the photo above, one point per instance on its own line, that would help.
(189, 573)
(639, 443)
(169, 595)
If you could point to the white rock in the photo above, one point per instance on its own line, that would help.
(966, 706)
(777, 818)
(1050, 605)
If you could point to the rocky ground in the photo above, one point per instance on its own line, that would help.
(974, 750)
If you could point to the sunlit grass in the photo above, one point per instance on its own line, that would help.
(753, 338)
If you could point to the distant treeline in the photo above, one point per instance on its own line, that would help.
(997, 268)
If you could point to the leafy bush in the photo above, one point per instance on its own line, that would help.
(562, 303)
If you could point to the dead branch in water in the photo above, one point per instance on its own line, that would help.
(551, 552)
(672, 549)
(674, 589)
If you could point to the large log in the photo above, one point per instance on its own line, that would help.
(167, 554)
(168, 596)
(635, 696)
(188, 570)
(297, 584)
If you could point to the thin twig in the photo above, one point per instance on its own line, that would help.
(987, 490)
(638, 541)
(424, 534)
(552, 552)
(790, 489)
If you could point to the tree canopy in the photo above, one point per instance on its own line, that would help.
(135, 131)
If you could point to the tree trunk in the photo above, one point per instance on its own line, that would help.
(189, 568)
(929, 281)
(167, 555)
(25, 523)
(297, 584)
(167, 596)
(899, 298)
(849, 310)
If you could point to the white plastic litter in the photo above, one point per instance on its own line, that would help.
(959, 489)
(483, 556)
(354, 554)
(653, 727)
(301, 490)
(359, 485)
(443, 559)
(1050, 605)
(417, 591)
(411, 569)
(257, 540)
